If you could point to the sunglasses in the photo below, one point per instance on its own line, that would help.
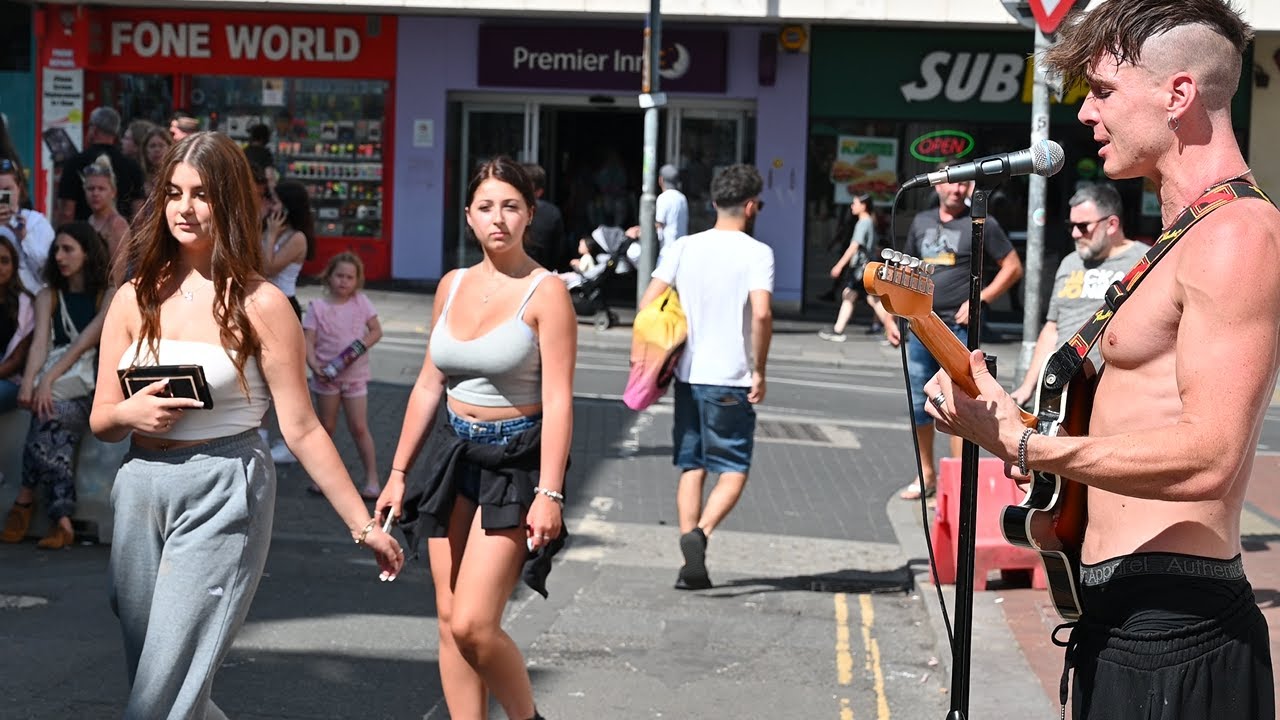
(7, 166)
(92, 170)
(1084, 228)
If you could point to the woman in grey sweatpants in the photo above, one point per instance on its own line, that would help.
(194, 498)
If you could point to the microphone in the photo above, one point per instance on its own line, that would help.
(1044, 158)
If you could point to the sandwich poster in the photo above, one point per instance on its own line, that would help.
(865, 165)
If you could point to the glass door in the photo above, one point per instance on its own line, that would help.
(489, 130)
(702, 142)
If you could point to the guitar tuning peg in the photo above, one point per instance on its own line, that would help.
(897, 257)
(886, 254)
(927, 268)
(913, 262)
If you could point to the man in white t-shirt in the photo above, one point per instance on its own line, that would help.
(672, 215)
(725, 281)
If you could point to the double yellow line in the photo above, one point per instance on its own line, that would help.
(844, 654)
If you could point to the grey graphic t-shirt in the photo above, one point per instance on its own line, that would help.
(1079, 288)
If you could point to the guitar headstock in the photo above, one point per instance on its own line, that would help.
(902, 282)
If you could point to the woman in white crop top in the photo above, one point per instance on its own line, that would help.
(195, 495)
(492, 386)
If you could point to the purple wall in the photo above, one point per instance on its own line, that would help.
(437, 55)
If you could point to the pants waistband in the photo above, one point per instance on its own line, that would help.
(475, 429)
(1161, 564)
(227, 445)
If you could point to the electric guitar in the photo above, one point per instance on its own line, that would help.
(1051, 519)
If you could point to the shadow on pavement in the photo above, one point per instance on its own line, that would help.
(898, 580)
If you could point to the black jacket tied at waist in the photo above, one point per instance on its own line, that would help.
(508, 475)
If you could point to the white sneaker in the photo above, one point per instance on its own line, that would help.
(831, 335)
(281, 454)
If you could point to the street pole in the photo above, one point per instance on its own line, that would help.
(1035, 215)
(650, 99)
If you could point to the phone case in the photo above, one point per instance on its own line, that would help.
(184, 381)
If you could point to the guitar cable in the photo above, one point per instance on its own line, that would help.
(903, 329)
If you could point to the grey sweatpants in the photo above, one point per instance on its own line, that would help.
(192, 528)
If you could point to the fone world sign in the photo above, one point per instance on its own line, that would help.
(941, 145)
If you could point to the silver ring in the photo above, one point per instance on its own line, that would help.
(938, 400)
(544, 537)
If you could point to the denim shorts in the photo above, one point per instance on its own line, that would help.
(922, 367)
(497, 432)
(714, 428)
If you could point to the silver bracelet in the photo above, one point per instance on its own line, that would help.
(1022, 450)
(558, 497)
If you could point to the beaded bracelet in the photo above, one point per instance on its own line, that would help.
(558, 497)
(1022, 450)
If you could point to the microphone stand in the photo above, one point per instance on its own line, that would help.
(962, 639)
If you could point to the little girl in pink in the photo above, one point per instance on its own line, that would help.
(331, 325)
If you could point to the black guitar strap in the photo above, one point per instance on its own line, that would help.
(1067, 360)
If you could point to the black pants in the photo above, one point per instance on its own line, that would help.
(1164, 647)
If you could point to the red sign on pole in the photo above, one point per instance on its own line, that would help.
(1049, 14)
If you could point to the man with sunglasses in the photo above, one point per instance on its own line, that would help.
(101, 138)
(1102, 256)
(28, 230)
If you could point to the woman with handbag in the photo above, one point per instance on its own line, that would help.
(57, 385)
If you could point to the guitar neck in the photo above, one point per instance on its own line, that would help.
(952, 355)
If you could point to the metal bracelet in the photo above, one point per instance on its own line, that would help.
(1022, 450)
(367, 529)
(558, 497)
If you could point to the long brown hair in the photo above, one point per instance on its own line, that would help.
(237, 253)
(11, 294)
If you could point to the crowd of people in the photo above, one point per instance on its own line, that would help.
(195, 260)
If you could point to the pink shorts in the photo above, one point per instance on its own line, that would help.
(345, 388)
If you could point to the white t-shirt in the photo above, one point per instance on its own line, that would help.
(673, 212)
(36, 241)
(714, 273)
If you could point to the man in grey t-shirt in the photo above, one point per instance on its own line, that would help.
(1103, 255)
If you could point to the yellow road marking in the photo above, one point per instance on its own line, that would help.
(844, 658)
(846, 712)
(873, 657)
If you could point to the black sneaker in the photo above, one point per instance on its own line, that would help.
(693, 576)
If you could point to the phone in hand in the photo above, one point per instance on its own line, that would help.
(6, 197)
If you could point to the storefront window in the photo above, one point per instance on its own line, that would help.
(325, 133)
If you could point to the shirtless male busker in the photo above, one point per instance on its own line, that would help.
(1170, 627)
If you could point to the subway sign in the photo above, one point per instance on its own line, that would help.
(940, 145)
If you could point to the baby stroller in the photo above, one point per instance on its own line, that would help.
(586, 288)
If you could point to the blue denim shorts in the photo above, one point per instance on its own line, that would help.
(714, 428)
(921, 366)
(497, 432)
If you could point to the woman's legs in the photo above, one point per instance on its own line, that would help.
(847, 299)
(487, 576)
(357, 411)
(464, 690)
(49, 457)
(474, 572)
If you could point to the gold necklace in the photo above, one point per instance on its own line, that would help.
(493, 287)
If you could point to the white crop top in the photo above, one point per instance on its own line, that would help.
(232, 412)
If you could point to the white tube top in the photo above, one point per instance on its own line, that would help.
(232, 412)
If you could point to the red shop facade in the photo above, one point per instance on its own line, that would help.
(323, 84)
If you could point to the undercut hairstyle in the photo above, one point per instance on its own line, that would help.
(734, 186)
(1121, 28)
(297, 207)
(1104, 197)
(96, 260)
(237, 246)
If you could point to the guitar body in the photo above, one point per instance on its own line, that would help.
(1051, 519)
